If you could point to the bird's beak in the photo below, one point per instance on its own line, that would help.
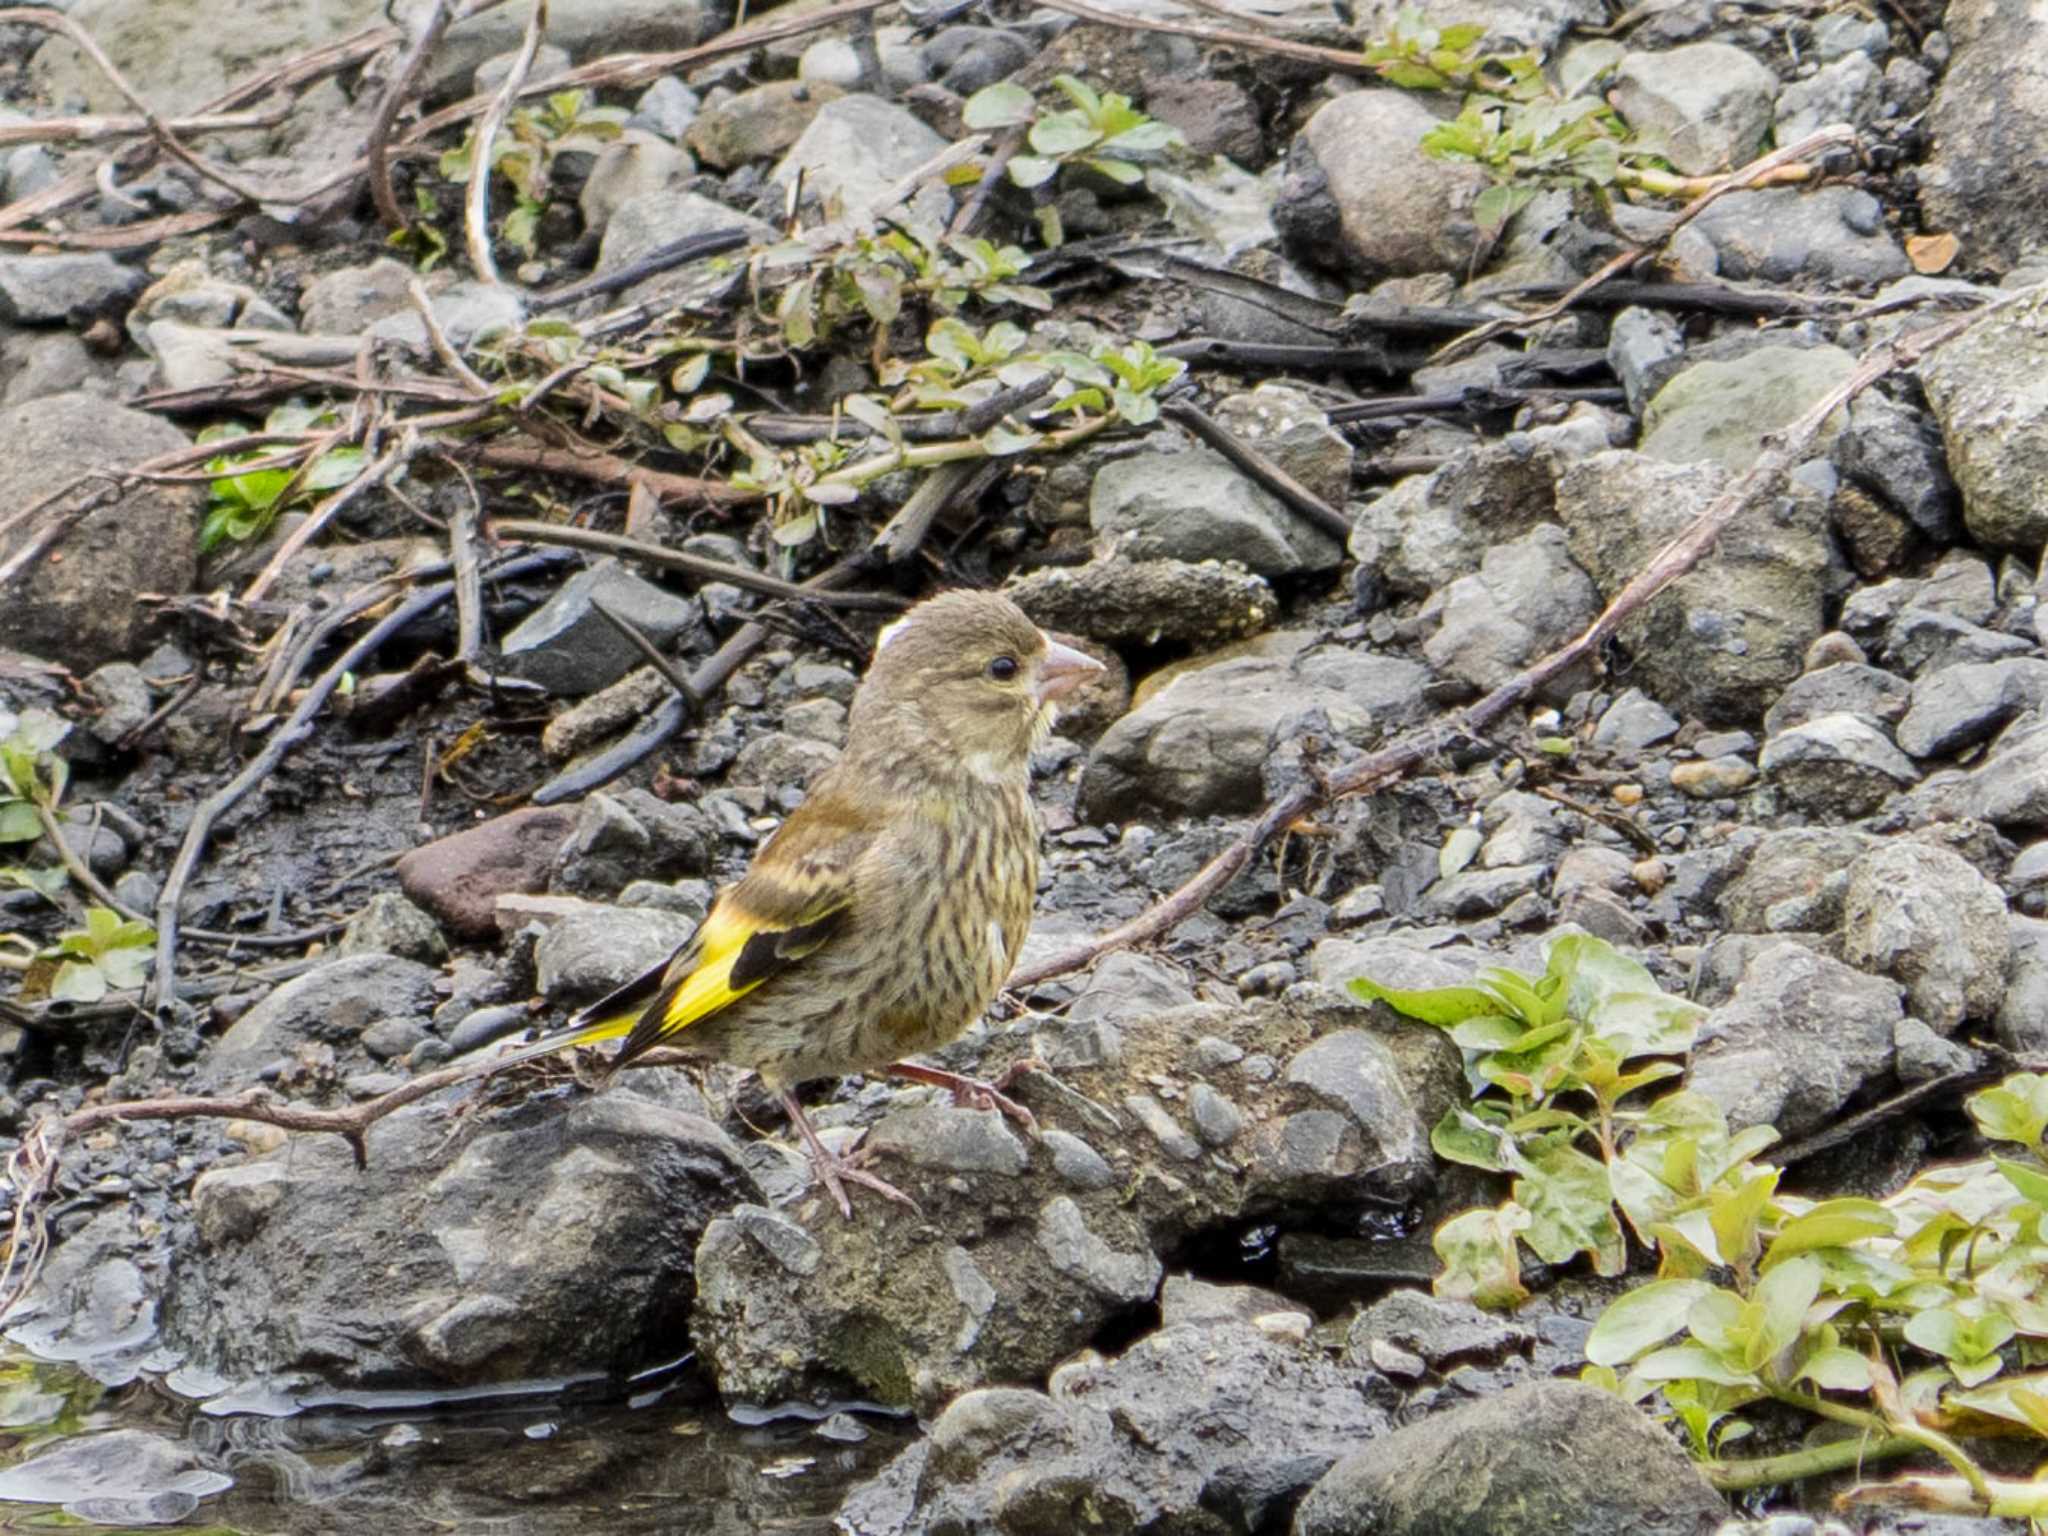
(1063, 670)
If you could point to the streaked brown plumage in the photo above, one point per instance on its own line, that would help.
(882, 917)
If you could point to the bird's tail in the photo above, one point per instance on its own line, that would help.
(615, 1027)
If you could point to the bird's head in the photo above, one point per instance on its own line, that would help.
(971, 670)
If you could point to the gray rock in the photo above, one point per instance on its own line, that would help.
(82, 608)
(1847, 89)
(1792, 865)
(1527, 599)
(1837, 765)
(831, 60)
(1495, 1466)
(780, 761)
(967, 58)
(391, 925)
(510, 1223)
(1479, 892)
(1959, 706)
(1920, 640)
(1878, 698)
(855, 150)
(1137, 1438)
(1644, 348)
(2010, 790)
(753, 124)
(640, 226)
(1285, 425)
(1634, 722)
(636, 164)
(1156, 1122)
(1707, 104)
(1431, 529)
(331, 1005)
(1961, 586)
(1982, 180)
(349, 300)
(1827, 236)
(1727, 637)
(1195, 505)
(1360, 193)
(1521, 829)
(1217, 1120)
(1120, 601)
(586, 954)
(632, 835)
(1802, 1036)
(1840, 33)
(91, 1304)
(1077, 1163)
(948, 1137)
(1199, 745)
(567, 646)
(2022, 1022)
(666, 107)
(1989, 392)
(1442, 1331)
(121, 695)
(1722, 411)
(1922, 916)
(48, 290)
(1922, 1054)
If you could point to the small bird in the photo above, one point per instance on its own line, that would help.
(883, 915)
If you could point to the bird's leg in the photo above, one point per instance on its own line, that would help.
(835, 1173)
(972, 1092)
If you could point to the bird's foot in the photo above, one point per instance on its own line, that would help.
(972, 1092)
(835, 1172)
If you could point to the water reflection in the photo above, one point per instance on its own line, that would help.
(669, 1461)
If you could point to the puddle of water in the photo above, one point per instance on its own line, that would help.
(668, 1460)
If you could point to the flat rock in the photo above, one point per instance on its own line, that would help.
(1707, 104)
(459, 878)
(1922, 916)
(1195, 505)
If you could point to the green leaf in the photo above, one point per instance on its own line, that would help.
(1029, 171)
(1146, 138)
(78, 981)
(1063, 133)
(1831, 1224)
(1693, 1362)
(1781, 1300)
(2031, 1182)
(1122, 172)
(1080, 94)
(1836, 1369)
(1498, 204)
(690, 374)
(1481, 1266)
(1571, 1210)
(336, 467)
(1644, 1317)
(1002, 105)
(1468, 1137)
(1003, 440)
(2015, 1110)
(1412, 76)
(1441, 1006)
(1495, 1033)
(19, 822)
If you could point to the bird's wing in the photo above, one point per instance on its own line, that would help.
(792, 900)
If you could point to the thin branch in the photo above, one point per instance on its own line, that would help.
(694, 565)
(377, 149)
(1262, 469)
(93, 127)
(476, 202)
(373, 475)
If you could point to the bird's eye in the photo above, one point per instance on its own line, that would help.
(1003, 668)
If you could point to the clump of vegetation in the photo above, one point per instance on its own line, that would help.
(1526, 131)
(242, 502)
(1102, 133)
(1918, 1320)
(525, 151)
(111, 953)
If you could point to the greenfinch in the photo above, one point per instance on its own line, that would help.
(881, 918)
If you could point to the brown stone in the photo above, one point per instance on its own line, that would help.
(459, 878)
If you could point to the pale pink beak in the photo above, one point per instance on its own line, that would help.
(1063, 670)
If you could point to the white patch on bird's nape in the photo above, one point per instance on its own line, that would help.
(894, 629)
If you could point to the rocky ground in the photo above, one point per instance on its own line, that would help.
(1803, 787)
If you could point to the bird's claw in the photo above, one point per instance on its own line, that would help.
(972, 1092)
(835, 1173)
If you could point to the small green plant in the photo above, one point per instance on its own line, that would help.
(32, 775)
(1101, 131)
(109, 954)
(1553, 1054)
(525, 153)
(1523, 131)
(243, 503)
(874, 275)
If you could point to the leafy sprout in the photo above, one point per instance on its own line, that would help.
(32, 775)
(109, 954)
(1102, 131)
(242, 504)
(525, 154)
